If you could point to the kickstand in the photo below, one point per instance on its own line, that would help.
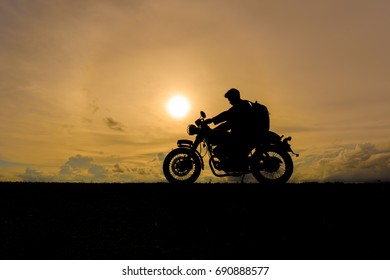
(242, 179)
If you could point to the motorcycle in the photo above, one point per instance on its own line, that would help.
(268, 160)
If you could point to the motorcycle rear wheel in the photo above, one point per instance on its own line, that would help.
(272, 166)
(182, 166)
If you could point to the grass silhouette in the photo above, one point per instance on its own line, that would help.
(198, 221)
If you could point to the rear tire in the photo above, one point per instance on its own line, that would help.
(272, 166)
(182, 166)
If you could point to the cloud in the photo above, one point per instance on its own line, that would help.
(159, 157)
(79, 162)
(10, 164)
(66, 170)
(98, 171)
(120, 168)
(351, 163)
(114, 125)
(81, 168)
(84, 169)
(364, 162)
(34, 175)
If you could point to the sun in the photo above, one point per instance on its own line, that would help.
(178, 106)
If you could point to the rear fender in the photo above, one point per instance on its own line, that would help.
(275, 139)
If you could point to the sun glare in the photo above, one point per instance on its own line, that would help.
(178, 106)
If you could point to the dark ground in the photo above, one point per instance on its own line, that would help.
(200, 221)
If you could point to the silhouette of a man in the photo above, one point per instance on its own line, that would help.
(237, 119)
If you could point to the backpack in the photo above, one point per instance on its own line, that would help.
(260, 117)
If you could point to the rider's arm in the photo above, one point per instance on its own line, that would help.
(222, 117)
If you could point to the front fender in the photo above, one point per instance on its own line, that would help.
(187, 144)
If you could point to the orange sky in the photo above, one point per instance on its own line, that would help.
(84, 84)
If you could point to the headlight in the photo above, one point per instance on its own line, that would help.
(192, 129)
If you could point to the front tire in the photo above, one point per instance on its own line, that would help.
(272, 166)
(182, 166)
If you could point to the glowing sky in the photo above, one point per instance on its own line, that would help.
(84, 84)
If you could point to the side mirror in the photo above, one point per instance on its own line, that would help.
(202, 114)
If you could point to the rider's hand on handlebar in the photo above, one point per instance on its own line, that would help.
(208, 121)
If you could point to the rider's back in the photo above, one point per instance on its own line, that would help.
(238, 118)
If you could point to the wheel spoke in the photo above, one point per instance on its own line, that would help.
(181, 166)
(273, 166)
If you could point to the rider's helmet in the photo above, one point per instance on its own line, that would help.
(232, 93)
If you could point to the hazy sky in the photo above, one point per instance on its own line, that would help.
(84, 84)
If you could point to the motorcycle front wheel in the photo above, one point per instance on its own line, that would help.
(272, 166)
(182, 166)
